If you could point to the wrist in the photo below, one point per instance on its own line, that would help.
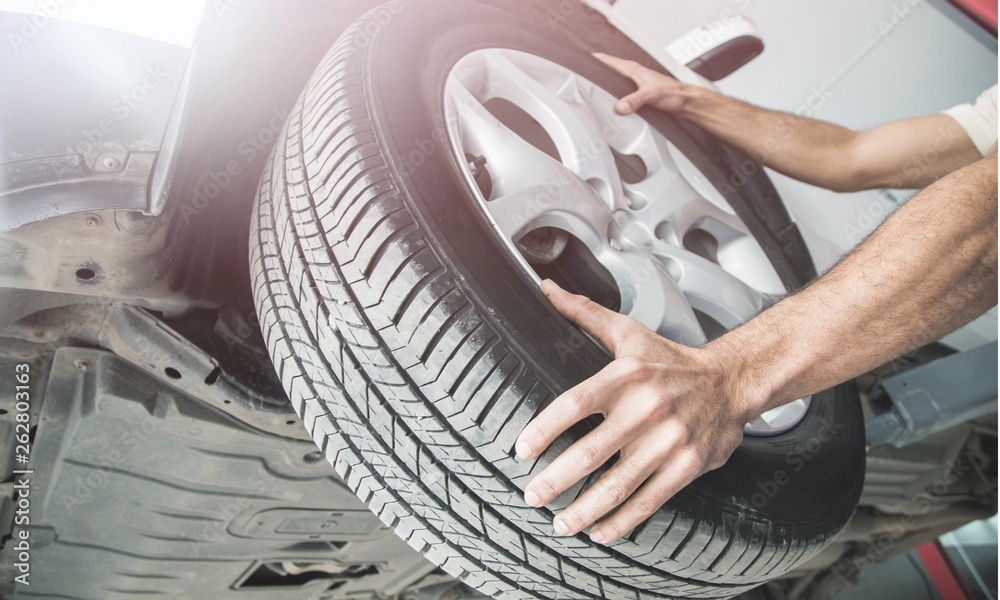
(689, 101)
(749, 381)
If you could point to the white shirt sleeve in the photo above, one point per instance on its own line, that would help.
(979, 119)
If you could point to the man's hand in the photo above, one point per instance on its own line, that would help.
(673, 413)
(893, 154)
(655, 89)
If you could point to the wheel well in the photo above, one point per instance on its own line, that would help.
(249, 65)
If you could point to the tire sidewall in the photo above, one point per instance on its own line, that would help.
(810, 475)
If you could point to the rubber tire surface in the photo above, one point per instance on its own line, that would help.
(415, 350)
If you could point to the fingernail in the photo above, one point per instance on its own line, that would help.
(546, 283)
(596, 536)
(622, 107)
(532, 499)
(560, 527)
(523, 450)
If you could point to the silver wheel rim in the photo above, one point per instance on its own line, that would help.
(570, 183)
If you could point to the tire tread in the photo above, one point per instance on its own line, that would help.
(413, 393)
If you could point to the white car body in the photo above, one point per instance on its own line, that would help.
(856, 63)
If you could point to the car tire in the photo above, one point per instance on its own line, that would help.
(415, 347)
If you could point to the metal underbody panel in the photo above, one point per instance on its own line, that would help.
(165, 497)
(166, 459)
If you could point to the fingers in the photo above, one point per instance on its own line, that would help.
(569, 408)
(675, 474)
(652, 396)
(646, 476)
(622, 66)
(607, 326)
(613, 488)
(575, 464)
(631, 103)
(634, 71)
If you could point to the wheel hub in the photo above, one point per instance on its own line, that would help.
(564, 168)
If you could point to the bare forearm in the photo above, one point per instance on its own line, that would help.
(812, 151)
(930, 268)
(909, 153)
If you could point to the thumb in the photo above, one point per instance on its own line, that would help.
(630, 103)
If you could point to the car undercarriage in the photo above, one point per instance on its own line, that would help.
(164, 456)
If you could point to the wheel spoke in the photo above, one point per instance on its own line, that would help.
(666, 196)
(710, 288)
(527, 183)
(659, 303)
(694, 177)
(671, 203)
(659, 196)
(482, 134)
(650, 295)
(546, 149)
(565, 116)
(572, 206)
